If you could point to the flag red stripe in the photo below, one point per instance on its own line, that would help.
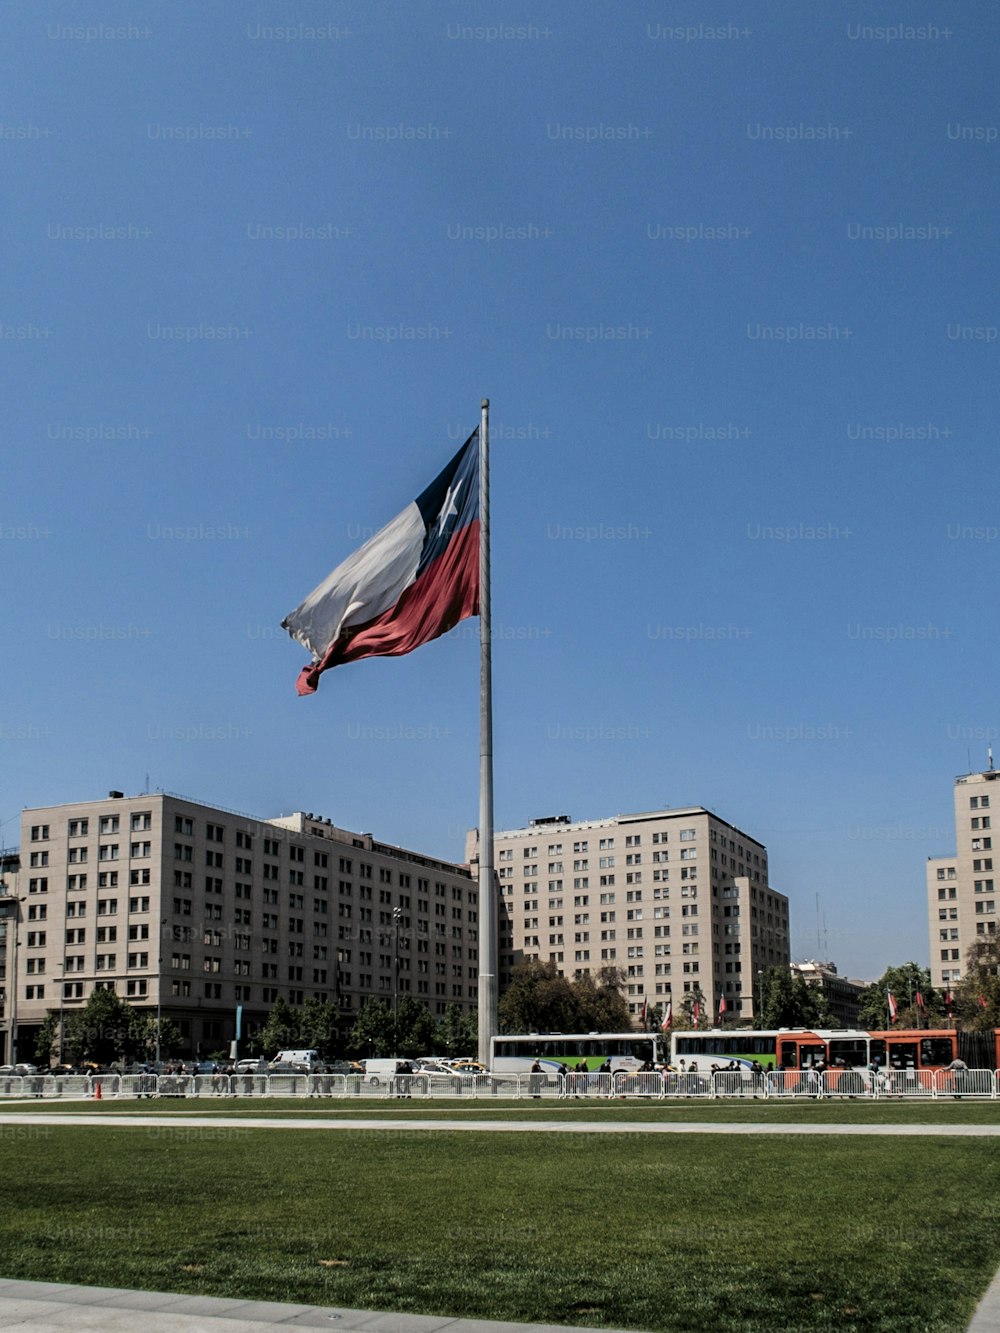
(446, 592)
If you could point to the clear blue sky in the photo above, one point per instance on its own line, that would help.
(745, 444)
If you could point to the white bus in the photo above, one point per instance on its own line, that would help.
(554, 1051)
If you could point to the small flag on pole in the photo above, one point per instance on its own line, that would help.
(645, 1013)
(411, 582)
(722, 1005)
(892, 1006)
(696, 1012)
(920, 1002)
(947, 1001)
(668, 1017)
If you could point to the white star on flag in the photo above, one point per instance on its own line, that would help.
(449, 507)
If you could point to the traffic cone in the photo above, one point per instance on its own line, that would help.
(97, 1092)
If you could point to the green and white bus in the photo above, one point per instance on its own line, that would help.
(557, 1050)
(715, 1045)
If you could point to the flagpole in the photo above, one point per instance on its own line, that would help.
(487, 893)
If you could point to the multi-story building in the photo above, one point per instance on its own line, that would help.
(10, 876)
(961, 898)
(193, 911)
(678, 900)
(843, 996)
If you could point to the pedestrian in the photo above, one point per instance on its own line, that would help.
(404, 1075)
(535, 1080)
(959, 1074)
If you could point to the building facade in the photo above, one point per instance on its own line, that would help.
(961, 897)
(842, 995)
(678, 900)
(193, 912)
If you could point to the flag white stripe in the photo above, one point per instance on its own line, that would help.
(368, 582)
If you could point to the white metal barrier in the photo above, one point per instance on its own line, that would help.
(734, 1083)
(897, 1084)
(960, 1083)
(795, 1083)
(249, 1085)
(641, 1084)
(907, 1083)
(848, 1083)
(578, 1086)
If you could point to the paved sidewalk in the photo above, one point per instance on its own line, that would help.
(987, 1316)
(43, 1306)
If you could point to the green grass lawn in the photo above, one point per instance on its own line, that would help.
(941, 1112)
(680, 1233)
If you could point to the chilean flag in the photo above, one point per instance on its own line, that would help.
(891, 1001)
(410, 583)
(722, 1005)
(668, 1017)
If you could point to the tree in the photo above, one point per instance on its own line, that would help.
(46, 1040)
(413, 1030)
(103, 1031)
(318, 1028)
(372, 1033)
(538, 999)
(790, 1002)
(685, 1015)
(281, 1031)
(144, 1033)
(905, 982)
(977, 996)
(313, 1027)
(457, 1034)
(602, 1003)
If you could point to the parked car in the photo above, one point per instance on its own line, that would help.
(429, 1066)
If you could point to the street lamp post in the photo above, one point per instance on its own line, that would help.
(760, 995)
(13, 988)
(159, 990)
(62, 998)
(397, 915)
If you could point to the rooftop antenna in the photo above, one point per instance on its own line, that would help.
(989, 751)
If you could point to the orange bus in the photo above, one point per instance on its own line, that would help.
(903, 1048)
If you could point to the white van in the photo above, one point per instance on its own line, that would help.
(304, 1059)
(381, 1071)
